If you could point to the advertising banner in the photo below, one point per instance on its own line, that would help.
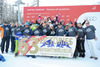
(67, 13)
(47, 46)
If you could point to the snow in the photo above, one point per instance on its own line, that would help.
(23, 61)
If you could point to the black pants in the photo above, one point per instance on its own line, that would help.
(80, 46)
(76, 52)
(12, 43)
(5, 39)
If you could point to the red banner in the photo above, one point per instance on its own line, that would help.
(67, 12)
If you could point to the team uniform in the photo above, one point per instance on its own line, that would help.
(18, 32)
(45, 31)
(52, 32)
(60, 32)
(26, 31)
(63, 26)
(37, 32)
(80, 43)
(56, 26)
(72, 31)
(90, 38)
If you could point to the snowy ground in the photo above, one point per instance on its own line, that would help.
(23, 61)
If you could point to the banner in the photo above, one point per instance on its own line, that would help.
(47, 46)
(66, 13)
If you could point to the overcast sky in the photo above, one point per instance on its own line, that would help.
(60, 2)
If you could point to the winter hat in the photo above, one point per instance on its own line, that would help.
(55, 18)
(39, 20)
(49, 21)
(36, 25)
(51, 25)
(70, 22)
(39, 15)
(5, 22)
(63, 20)
(45, 17)
(67, 24)
(26, 23)
(56, 15)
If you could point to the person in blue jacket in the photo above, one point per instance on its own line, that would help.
(18, 33)
(37, 31)
(6, 37)
(26, 30)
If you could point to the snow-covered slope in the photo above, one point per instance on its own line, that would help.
(23, 61)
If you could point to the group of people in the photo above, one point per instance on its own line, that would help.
(50, 27)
